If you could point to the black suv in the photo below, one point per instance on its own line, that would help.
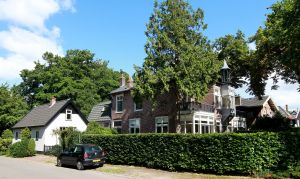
(82, 155)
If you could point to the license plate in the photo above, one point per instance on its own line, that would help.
(98, 160)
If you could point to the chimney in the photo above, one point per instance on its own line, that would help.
(52, 101)
(122, 80)
(130, 82)
(286, 108)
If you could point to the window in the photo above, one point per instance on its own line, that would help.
(134, 126)
(161, 124)
(68, 114)
(17, 136)
(138, 106)
(37, 135)
(119, 103)
(117, 124)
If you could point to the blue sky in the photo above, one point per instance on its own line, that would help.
(113, 30)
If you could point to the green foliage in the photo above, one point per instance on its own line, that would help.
(179, 60)
(95, 128)
(275, 123)
(278, 42)
(55, 150)
(4, 145)
(235, 50)
(217, 153)
(25, 134)
(24, 148)
(69, 137)
(78, 75)
(7, 134)
(12, 107)
(31, 147)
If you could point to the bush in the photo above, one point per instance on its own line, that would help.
(249, 153)
(25, 134)
(55, 150)
(7, 134)
(4, 145)
(24, 148)
(31, 147)
(95, 128)
(69, 137)
(18, 149)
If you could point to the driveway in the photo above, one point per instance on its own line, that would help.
(12, 168)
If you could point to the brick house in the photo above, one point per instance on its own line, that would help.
(215, 113)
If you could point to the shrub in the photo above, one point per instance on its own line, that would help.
(19, 149)
(55, 150)
(69, 137)
(248, 153)
(31, 147)
(25, 134)
(7, 134)
(95, 128)
(4, 145)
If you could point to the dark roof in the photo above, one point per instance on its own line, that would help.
(43, 114)
(252, 102)
(121, 89)
(101, 112)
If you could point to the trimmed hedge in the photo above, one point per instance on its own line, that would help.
(24, 148)
(247, 153)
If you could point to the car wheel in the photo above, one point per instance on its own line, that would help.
(79, 165)
(59, 164)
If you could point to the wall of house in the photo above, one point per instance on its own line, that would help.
(60, 121)
(39, 142)
(148, 114)
(266, 110)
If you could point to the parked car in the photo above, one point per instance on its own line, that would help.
(81, 156)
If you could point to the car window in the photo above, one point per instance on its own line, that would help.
(92, 148)
(78, 149)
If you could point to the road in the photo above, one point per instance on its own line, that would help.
(12, 168)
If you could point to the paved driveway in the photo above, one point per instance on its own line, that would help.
(11, 168)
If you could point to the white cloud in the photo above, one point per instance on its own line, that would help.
(286, 94)
(27, 37)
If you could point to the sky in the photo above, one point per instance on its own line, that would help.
(114, 30)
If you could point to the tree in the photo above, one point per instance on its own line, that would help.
(179, 61)
(234, 48)
(12, 107)
(77, 75)
(278, 44)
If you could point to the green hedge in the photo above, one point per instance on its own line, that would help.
(246, 153)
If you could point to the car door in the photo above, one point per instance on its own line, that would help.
(76, 155)
(66, 156)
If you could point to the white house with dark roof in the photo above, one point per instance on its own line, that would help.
(43, 120)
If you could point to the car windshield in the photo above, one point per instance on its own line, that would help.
(92, 148)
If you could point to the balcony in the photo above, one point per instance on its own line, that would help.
(194, 106)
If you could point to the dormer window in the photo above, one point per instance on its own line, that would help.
(68, 114)
(119, 103)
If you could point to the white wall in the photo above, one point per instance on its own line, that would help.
(60, 121)
(39, 143)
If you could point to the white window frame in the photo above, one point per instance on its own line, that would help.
(137, 124)
(135, 109)
(116, 127)
(69, 111)
(162, 119)
(121, 95)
